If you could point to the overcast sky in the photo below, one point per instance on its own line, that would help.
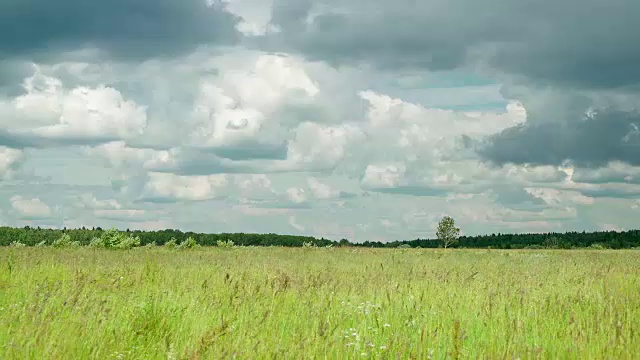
(368, 120)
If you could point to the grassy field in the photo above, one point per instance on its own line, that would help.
(283, 303)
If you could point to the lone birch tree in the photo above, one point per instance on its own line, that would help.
(447, 232)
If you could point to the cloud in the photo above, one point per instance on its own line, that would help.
(30, 208)
(517, 37)
(614, 172)
(124, 29)
(557, 197)
(47, 115)
(89, 201)
(255, 15)
(593, 142)
(321, 190)
(236, 115)
(10, 160)
(168, 187)
(567, 68)
(128, 215)
(383, 176)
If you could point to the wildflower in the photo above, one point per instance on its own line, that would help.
(383, 347)
(387, 325)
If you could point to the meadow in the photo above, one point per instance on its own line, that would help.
(321, 303)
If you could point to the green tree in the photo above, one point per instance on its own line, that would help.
(447, 232)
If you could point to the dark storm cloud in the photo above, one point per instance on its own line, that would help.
(592, 142)
(128, 29)
(584, 43)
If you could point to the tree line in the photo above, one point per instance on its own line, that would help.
(32, 236)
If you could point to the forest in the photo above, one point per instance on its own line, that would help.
(31, 236)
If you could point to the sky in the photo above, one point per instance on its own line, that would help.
(365, 120)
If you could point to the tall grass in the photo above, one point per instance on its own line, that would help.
(284, 303)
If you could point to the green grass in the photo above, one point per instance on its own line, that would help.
(284, 303)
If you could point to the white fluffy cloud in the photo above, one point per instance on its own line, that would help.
(89, 201)
(193, 188)
(238, 108)
(49, 110)
(30, 208)
(321, 190)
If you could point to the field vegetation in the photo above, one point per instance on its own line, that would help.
(603, 239)
(190, 302)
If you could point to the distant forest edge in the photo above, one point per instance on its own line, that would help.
(606, 239)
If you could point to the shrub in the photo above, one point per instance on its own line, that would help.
(597, 247)
(17, 244)
(65, 241)
(97, 242)
(189, 243)
(225, 244)
(127, 242)
(114, 239)
(309, 244)
(171, 244)
(42, 243)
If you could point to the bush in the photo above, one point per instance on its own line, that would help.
(97, 242)
(65, 241)
(171, 244)
(127, 242)
(225, 244)
(189, 243)
(17, 244)
(597, 247)
(114, 239)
